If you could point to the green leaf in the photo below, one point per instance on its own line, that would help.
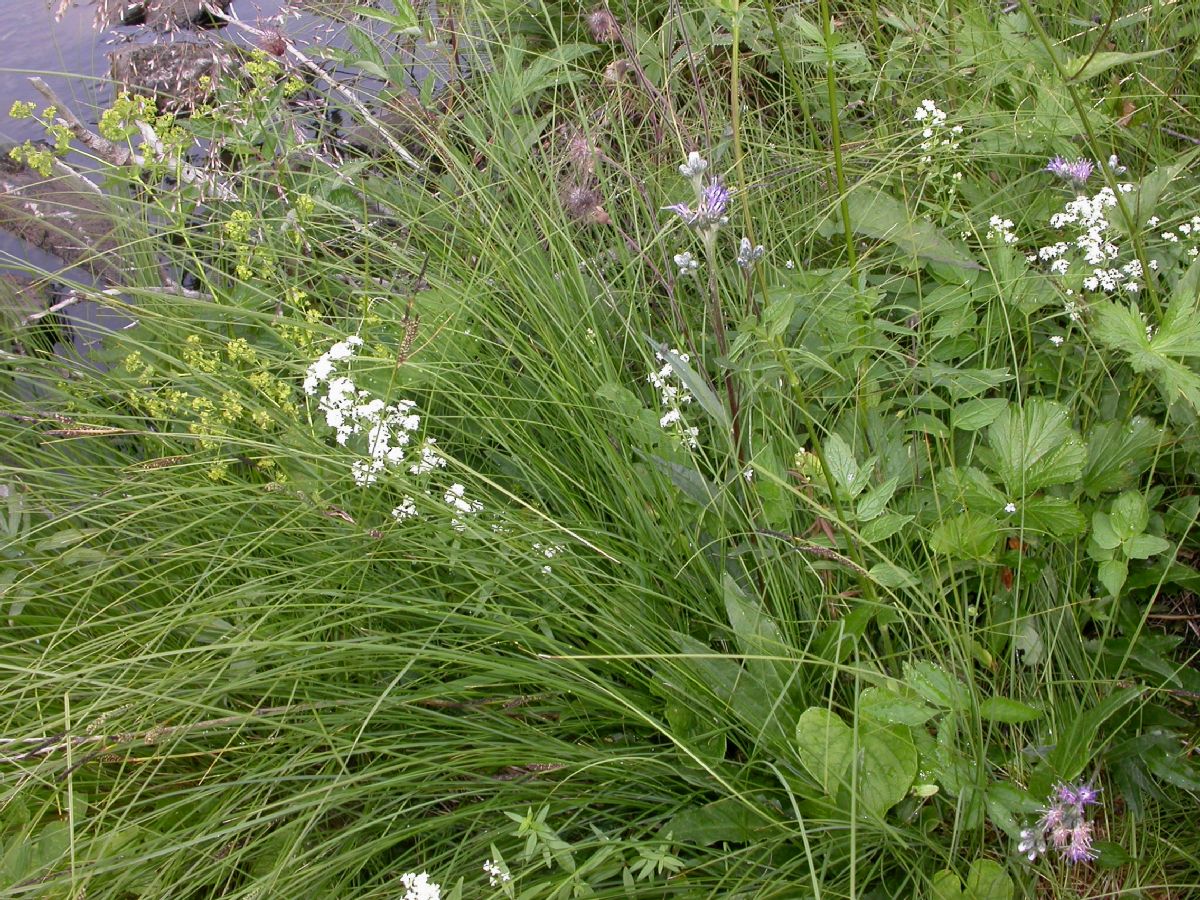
(1112, 574)
(1143, 546)
(1117, 452)
(1129, 515)
(843, 466)
(961, 383)
(978, 413)
(877, 215)
(945, 886)
(730, 819)
(987, 880)
(1077, 739)
(883, 527)
(894, 709)
(1035, 446)
(1055, 516)
(1002, 709)
(825, 745)
(1103, 532)
(966, 536)
(875, 501)
(1082, 68)
(889, 575)
(936, 685)
(888, 767)
(1124, 328)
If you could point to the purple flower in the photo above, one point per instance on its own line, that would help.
(1080, 847)
(1063, 825)
(1077, 172)
(710, 208)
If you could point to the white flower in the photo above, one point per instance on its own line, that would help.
(406, 510)
(419, 887)
(496, 875)
(687, 263)
(748, 474)
(1010, 508)
(694, 167)
(789, 264)
(1057, 340)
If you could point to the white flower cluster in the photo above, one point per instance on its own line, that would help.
(351, 411)
(673, 395)
(549, 551)
(419, 887)
(1188, 231)
(455, 498)
(934, 132)
(1102, 272)
(1002, 229)
(496, 875)
(388, 431)
(687, 263)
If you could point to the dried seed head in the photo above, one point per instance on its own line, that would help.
(581, 151)
(603, 25)
(273, 42)
(582, 204)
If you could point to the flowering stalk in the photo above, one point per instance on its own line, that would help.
(1064, 825)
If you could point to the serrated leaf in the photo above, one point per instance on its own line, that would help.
(961, 383)
(1035, 447)
(1054, 516)
(842, 465)
(877, 215)
(966, 536)
(1003, 709)
(1117, 452)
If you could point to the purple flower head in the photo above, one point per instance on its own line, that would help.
(1077, 172)
(1080, 848)
(1086, 795)
(1068, 795)
(710, 209)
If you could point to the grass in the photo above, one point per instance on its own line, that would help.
(814, 655)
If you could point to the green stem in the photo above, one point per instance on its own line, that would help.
(836, 137)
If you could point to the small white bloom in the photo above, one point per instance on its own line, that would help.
(496, 875)
(1010, 508)
(687, 263)
(789, 264)
(1057, 340)
(419, 887)
(406, 510)
(694, 167)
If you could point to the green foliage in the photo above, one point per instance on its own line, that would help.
(900, 542)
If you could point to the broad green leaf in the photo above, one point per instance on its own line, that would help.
(1103, 533)
(1054, 516)
(946, 886)
(1143, 546)
(894, 709)
(936, 685)
(1081, 68)
(1035, 446)
(887, 768)
(987, 880)
(701, 732)
(875, 501)
(730, 819)
(890, 575)
(1129, 515)
(1002, 709)
(1123, 328)
(687, 481)
(1112, 574)
(966, 536)
(1117, 452)
(883, 527)
(978, 413)
(825, 745)
(843, 466)
(961, 383)
(877, 215)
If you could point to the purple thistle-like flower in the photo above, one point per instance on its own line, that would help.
(709, 211)
(1086, 795)
(1077, 172)
(1080, 848)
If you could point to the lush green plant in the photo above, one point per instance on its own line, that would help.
(499, 500)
